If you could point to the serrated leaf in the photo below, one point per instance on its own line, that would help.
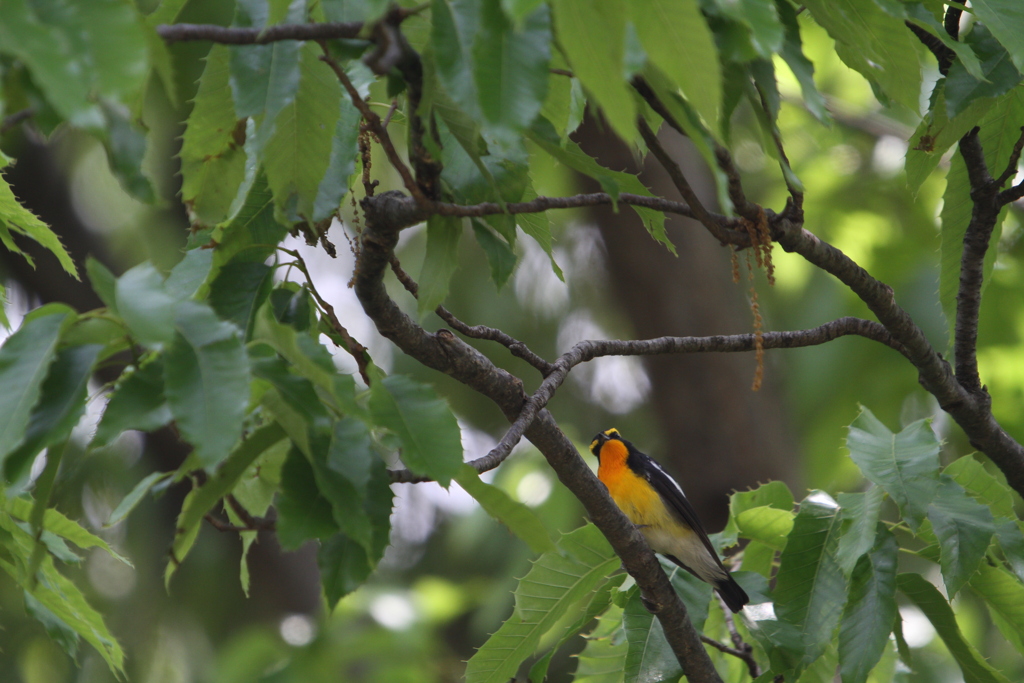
(554, 583)
(455, 24)
(964, 529)
(1005, 18)
(603, 660)
(810, 589)
(860, 519)
(510, 65)
(905, 465)
(16, 218)
(239, 290)
(677, 40)
(500, 256)
(871, 609)
(443, 234)
(332, 483)
(649, 658)
(135, 497)
(201, 500)
(596, 604)
(1003, 593)
(430, 436)
(138, 402)
(792, 53)
(998, 74)
(519, 519)
(768, 525)
(875, 44)
(61, 404)
(927, 597)
(146, 307)
(303, 512)
(294, 156)
(213, 146)
(611, 182)
(986, 487)
(25, 359)
(103, 282)
(341, 162)
(343, 567)
(592, 36)
(59, 632)
(252, 233)
(206, 381)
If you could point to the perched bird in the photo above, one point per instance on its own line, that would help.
(654, 502)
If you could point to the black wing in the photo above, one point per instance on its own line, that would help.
(673, 495)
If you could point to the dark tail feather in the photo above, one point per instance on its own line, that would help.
(734, 596)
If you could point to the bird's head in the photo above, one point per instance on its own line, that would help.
(602, 438)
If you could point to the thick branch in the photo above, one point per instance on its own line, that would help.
(976, 238)
(943, 55)
(231, 35)
(445, 353)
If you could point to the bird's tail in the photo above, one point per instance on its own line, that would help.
(733, 595)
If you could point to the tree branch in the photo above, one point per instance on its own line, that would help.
(12, 120)
(232, 35)
(943, 55)
(445, 353)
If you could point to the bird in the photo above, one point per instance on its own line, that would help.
(656, 504)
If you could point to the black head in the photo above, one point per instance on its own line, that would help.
(602, 438)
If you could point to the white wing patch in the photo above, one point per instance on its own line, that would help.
(669, 477)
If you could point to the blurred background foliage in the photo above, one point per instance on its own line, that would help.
(446, 581)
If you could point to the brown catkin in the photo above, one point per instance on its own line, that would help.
(765, 243)
(755, 308)
(735, 258)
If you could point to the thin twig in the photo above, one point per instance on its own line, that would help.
(1012, 164)
(391, 112)
(354, 348)
(233, 35)
(679, 180)
(516, 347)
(374, 123)
(588, 350)
(12, 120)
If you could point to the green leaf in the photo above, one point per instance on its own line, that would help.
(295, 157)
(792, 53)
(331, 481)
(341, 163)
(611, 182)
(537, 226)
(201, 500)
(264, 78)
(510, 65)
(964, 528)
(905, 465)
(649, 658)
(917, 13)
(875, 44)
(998, 74)
(937, 133)
(206, 381)
(454, 25)
(677, 41)
(138, 402)
(343, 567)
(599, 601)
(556, 581)
(430, 436)
(810, 589)
(603, 660)
(303, 512)
(187, 277)
(124, 140)
(59, 632)
(520, 519)
(77, 57)
(135, 497)
(61, 404)
(59, 525)
(500, 255)
(146, 307)
(16, 218)
(25, 359)
(443, 233)
(986, 487)
(305, 356)
(695, 594)
(860, 518)
(768, 525)
(1005, 18)
(999, 130)
(239, 290)
(871, 609)
(103, 282)
(252, 233)
(1004, 595)
(592, 36)
(212, 148)
(923, 594)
